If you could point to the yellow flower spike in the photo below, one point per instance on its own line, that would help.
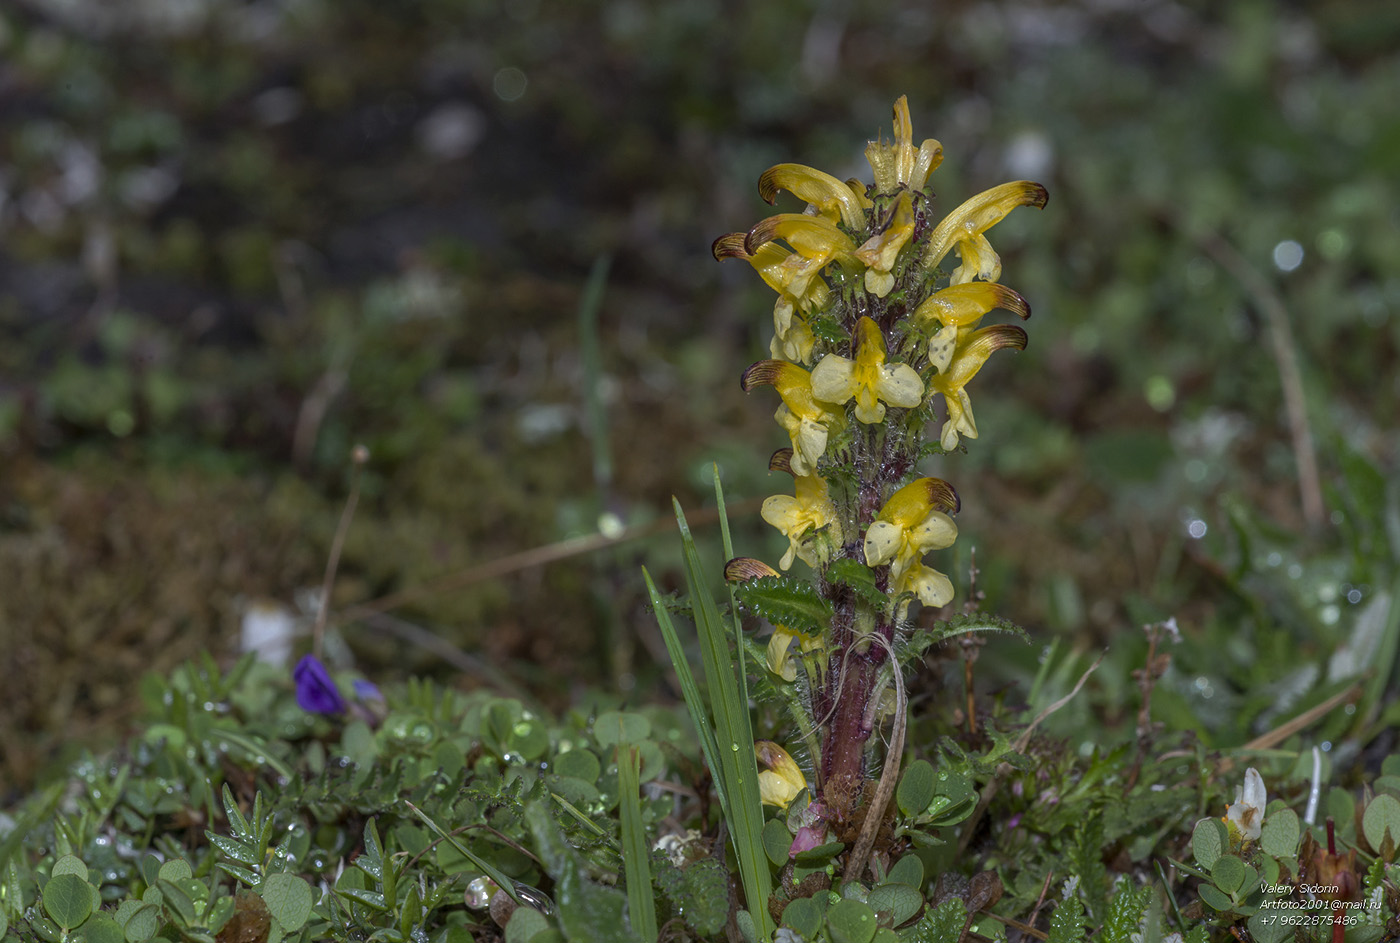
(806, 419)
(832, 198)
(881, 249)
(868, 378)
(914, 521)
(965, 304)
(798, 516)
(898, 164)
(781, 780)
(964, 228)
(959, 353)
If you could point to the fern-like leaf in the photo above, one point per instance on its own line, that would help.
(785, 600)
(1067, 922)
(1124, 913)
(941, 924)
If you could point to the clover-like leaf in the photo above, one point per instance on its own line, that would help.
(1382, 817)
(1280, 834)
(850, 921)
(916, 788)
(1209, 839)
(68, 900)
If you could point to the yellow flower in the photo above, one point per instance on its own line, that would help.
(913, 522)
(836, 379)
(964, 305)
(958, 353)
(815, 240)
(806, 419)
(898, 164)
(781, 781)
(778, 645)
(799, 516)
(786, 272)
(964, 227)
(881, 249)
(834, 200)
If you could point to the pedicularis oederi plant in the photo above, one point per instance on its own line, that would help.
(877, 341)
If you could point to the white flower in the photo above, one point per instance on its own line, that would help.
(1246, 813)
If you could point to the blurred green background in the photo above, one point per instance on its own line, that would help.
(238, 237)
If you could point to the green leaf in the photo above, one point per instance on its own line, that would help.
(777, 841)
(238, 851)
(1214, 898)
(1124, 913)
(850, 921)
(916, 788)
(787, 601)
(1228, 873)
(586, 910)
(177, 900)
(579, 764)
(177, 869)
(636, 856)
(289, 899)
(804, 916)
(898, 901)
(68, 900)
(102, 928)
(941, 924)
(907, 870)
(140, 920)
(706, 884)
(820, 855)
(859, 578)
(737, 774)
(1067, 922)
(1382, 817)
(1208, 841)
(1280, 834)
(70, 864)
(524, 924)
(614, 727)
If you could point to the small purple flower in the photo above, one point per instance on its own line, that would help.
(316, 692)
(367, 691)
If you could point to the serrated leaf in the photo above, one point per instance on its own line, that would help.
(941, 924)
(1124, 913)
(67, 900)
(1067, 922)
(289, 899)
(707, 896)
(857, 577)
(925, 638)
(830, 330)
(785, 600)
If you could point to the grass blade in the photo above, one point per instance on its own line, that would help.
(635, 853)
(737, 772)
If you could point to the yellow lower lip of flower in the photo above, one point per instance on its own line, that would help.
(782, 781)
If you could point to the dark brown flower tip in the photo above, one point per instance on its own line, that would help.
(781, 460)
(763, 373)
(942, 496)
(743, 569)
(729, 246)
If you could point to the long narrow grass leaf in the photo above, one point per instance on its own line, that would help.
(742, 670)
(503, 881)
(690, 691)
(635, 855)
(737, 772)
